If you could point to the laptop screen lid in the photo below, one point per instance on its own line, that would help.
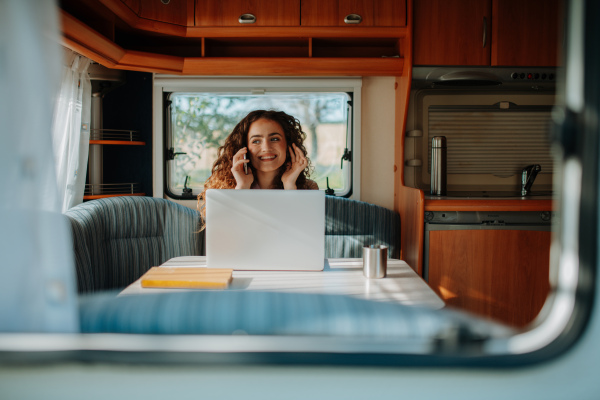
(256, 229)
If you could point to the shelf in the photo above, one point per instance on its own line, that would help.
(356, 47)
(116, 137)
(103, 196)
(102, 190)
(118, 142)
(256, 47)
(294, 66)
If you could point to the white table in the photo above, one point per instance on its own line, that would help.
(340, 276)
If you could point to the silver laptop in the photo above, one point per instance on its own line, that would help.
(265, 229)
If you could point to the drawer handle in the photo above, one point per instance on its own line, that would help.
(247, 19)
(484, 32)
(353, 19)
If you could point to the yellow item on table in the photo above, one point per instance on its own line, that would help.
(185, 278)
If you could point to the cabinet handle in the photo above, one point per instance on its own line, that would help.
(353, 19)
(247, 19)
(484, 32)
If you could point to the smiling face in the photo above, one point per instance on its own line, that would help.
(267, 145)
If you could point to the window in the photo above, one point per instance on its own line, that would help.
(198, 121)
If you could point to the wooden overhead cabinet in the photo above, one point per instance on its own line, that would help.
(206, 37)
(452, 32)
(526, 33)
(487, 32)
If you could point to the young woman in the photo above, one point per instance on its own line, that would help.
(270, 145)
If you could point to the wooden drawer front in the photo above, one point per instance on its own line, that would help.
(380, 13)
(267, 12)
(178, 12)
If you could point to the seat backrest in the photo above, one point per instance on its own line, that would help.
(117, 239)
(352, 224)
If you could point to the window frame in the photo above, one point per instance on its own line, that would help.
(164, 84)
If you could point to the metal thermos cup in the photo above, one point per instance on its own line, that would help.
(438, 166)
(375, 261)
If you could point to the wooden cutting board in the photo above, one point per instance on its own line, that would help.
(198, 278)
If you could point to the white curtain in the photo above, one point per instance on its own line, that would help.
(71, 129)
(37, 288)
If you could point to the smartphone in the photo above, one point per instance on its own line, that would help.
(245, 166)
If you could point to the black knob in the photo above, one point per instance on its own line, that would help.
(522, 76)
(543, 76)
(514, 75)
(536, 76)
(551, 77)
(545, 215)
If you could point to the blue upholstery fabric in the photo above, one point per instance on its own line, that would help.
(254, 313)
(351, 224)
(117, 239)
(271, 313)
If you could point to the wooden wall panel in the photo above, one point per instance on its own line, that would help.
(409, 202)
(412, 217)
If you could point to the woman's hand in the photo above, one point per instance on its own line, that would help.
(242, 180)
(297, 164)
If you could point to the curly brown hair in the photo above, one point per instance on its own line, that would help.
(222, 177)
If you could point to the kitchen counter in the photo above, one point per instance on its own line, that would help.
(488, 204)
(490, 201)
(413, 203)
(491, 195)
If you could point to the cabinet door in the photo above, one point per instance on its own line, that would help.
(389, 13)
(501, 274)
(372, 13)
(178, 12)
(452, 32)
(526, 32)
(266, 12)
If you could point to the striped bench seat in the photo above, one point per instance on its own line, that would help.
(116, 240)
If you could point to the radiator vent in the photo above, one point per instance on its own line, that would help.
(489, 140)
